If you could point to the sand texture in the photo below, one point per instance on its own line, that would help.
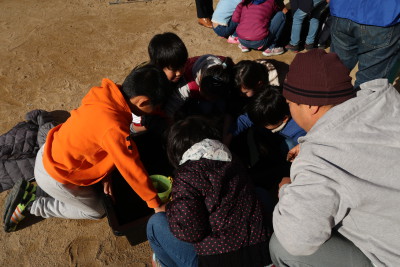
(52, 52)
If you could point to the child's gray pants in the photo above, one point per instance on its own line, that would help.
(65, 200)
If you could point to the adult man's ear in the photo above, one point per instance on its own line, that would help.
(314, 109)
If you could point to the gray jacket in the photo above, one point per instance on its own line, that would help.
(19, 146)
(347, 176)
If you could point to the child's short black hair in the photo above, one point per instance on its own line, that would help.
(187, 132)
(268, 106)
(216, 81)
(250, 75)
(147, 81)
(167, 50)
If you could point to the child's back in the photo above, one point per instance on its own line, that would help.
(260, 25)
(214, 207)
(224, 215)
(254, 19)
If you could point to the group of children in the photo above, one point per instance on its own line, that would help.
(206, 105)
(212, 105)
(259, 24)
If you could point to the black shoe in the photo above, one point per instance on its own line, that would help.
(309, 46)
(293, 48)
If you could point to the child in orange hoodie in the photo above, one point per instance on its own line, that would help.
(88, 146)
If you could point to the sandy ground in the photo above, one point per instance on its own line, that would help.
(52, 52)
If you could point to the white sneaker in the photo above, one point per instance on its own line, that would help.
(273, 51)
(243, 48)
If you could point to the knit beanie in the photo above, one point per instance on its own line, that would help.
(318, 78)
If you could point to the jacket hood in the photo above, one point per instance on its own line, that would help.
(108, 96)
(208, 149)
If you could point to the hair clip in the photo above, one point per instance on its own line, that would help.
(224, 65)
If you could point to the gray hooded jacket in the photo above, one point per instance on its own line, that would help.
(347, 176)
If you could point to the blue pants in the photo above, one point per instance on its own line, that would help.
(169, 250)
(376, 49)
(225, 31)
(298, 19)
(275, 30)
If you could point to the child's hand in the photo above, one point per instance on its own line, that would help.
(285, 180)
(292, 154)
(137, 129)
(107, 187)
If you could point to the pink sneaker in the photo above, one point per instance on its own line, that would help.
(233, 40)
(273, 51)
(243, 48)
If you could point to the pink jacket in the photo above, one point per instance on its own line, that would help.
(254, 19)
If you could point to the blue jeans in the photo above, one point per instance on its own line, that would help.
(275, 30)
(169, 250)
(298, 19)
(376, 49)
(225, 31)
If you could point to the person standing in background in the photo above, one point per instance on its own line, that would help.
(204, 12)
(367, 32)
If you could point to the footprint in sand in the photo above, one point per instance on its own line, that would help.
(83, 250)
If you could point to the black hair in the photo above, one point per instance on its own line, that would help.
(268, 106)
(167, 50)
(187, 132)
(250, 75)
(216, 81)
(147, 81)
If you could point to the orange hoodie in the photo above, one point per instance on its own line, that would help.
(88, 146)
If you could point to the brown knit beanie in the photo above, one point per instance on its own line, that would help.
(318, 78)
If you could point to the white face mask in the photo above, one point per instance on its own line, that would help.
(280, 127)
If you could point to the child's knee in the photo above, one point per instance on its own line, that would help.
(156, 222)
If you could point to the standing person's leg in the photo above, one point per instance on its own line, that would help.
(169, 250)
(379, 52)
(298, 18)
(204, 10)
(314, 23)
(337, 251)
(325, 33)
(65, 201)
(343, 43)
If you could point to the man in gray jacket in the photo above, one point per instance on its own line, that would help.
(340, 206)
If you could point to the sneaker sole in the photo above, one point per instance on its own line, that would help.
(233, 42)
(243, 51)
(13, 199)
(273, 54)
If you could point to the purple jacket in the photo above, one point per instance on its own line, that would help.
(254, 19)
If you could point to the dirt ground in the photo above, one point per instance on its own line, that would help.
(52, 52)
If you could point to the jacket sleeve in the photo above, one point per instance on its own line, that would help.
(187, 214)
(126, 158)
(238, 12)
(309, 208)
